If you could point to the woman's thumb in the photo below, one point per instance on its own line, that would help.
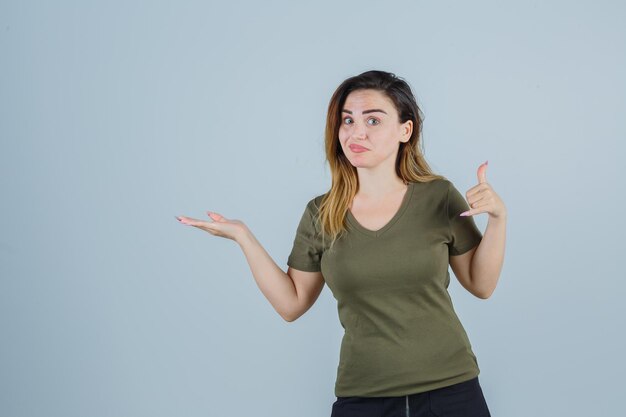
(215, 216)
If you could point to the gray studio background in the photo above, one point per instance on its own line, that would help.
(117, 116)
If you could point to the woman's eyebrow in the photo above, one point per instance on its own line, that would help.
(365, 111)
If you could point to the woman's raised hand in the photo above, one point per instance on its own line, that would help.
(220, 226)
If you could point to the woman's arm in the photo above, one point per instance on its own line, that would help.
(486, 264)
(277, 286)
(280, 289)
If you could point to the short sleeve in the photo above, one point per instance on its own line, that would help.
(306, 253)
(463, 232)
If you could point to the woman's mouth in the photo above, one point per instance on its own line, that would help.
(357, 148)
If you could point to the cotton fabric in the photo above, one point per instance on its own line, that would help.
(401, 333)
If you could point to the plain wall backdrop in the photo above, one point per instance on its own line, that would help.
(117, 116)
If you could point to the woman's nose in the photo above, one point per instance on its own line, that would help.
(358, 131)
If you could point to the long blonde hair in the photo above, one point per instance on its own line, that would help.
(410, 163)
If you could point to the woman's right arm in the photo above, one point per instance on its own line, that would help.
(292, 293)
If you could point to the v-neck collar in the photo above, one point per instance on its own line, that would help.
(375, 233)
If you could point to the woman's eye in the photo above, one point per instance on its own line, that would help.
(348, 120)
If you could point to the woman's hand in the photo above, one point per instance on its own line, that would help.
(220, 226)
(483, 199)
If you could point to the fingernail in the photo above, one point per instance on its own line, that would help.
(464, 213)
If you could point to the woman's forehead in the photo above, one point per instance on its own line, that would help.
(364, 99)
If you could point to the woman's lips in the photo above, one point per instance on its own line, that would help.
(357, 148)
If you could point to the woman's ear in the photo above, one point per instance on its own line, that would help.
(407, 130)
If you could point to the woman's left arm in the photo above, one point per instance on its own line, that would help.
(488, 258)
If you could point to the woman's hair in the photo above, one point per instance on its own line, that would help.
(410, 163)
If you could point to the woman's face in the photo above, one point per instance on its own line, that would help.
(370, 133)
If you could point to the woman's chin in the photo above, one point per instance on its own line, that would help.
(360, 164)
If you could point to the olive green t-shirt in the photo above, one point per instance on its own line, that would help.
(401, 332)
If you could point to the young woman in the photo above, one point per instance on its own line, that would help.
(382, 238)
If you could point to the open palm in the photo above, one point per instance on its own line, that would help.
(220, 226)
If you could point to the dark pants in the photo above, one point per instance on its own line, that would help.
(464, 399)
